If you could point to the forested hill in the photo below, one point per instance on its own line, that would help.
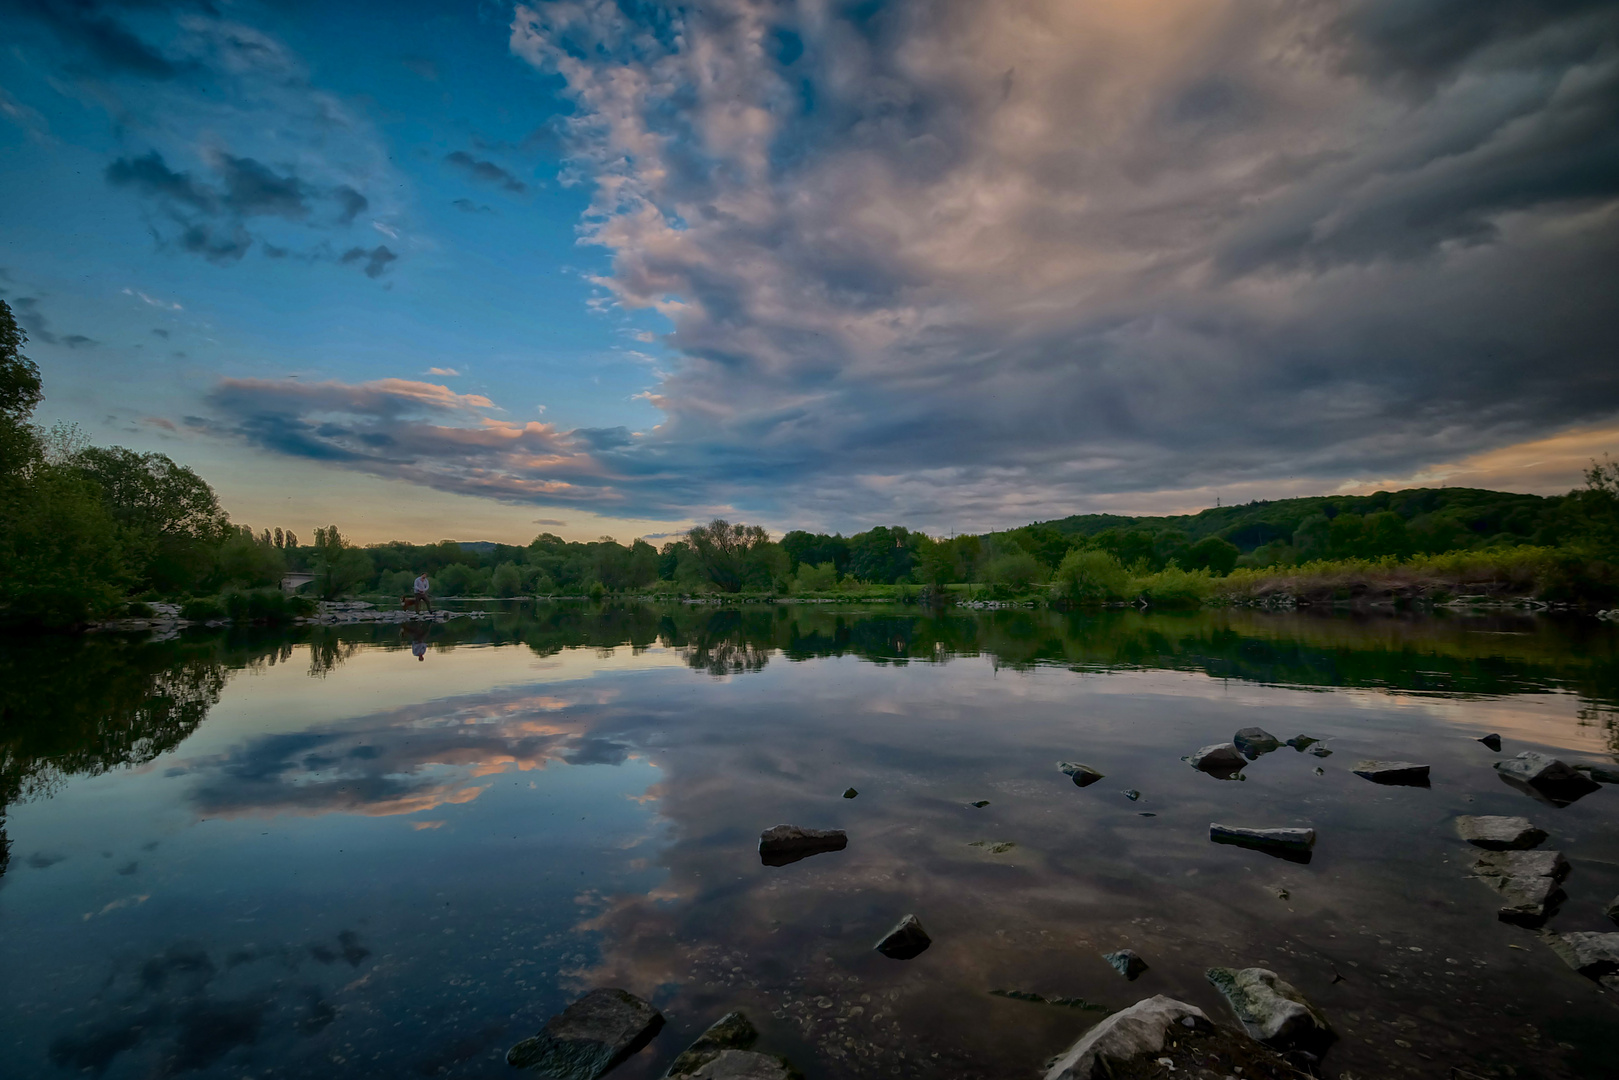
(1470, 513)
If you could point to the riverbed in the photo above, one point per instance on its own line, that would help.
(395, 851)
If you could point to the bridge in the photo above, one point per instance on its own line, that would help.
(291, 582)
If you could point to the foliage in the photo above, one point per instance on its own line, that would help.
(822, 578)
(202, 609)
(170, 517)
(339, 566)
(1090, 576)
(268, 606)
(61, 562)
(734, 557)
(1173, 587)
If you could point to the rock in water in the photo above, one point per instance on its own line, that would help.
(849, 793)
(981, 803)
(1271, 1009)
(589, 1037)
(783, 844)
(1132, 794)
(1126, 963)
(1130, 1033)
(1546, 778)
(1084, 775)
(1527, 882)
(1294, 845)
(1223, 760)
(1396, 773)
(1602, 774)
(1302, 743)
(906, 940)
(746, 1065)
(1254, 741)
(1612, 910)
(1593, 955)
(733, 1031)
(1499, 833)
(1493, 741)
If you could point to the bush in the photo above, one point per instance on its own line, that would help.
(138, 610)
(202, 609)
(596, 590)
(1014, 570)
(822, 578)
(267, 606)
(1090, 576)
(1173, 587)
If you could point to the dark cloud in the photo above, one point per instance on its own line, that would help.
(485, 171)
(352, 202)
(151, 176)
(95, 33)
(32, 319)
(376, 260)
(79, 341)
(252, 189)
(219, 244)
(467, 206)
(159, 332)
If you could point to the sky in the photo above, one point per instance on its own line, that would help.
(479, 270)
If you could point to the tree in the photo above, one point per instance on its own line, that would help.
(339, 567)
(1090, 576)
(1591, 514)
(244, 559)
(507, 581)
(19, 394)
(1213, 554)
(731, 556)
(171, 519)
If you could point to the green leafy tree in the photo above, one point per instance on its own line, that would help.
(1217, 556)
(1590, 515)
(249, 561)
(171, 519)
(735, 556)
(339, 566)
(507, 580)
(1090, 576)
(822, 578)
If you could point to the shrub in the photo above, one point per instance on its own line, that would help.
(822, 578)
(138, 610)
(1090, 576)
(202, 609)
(1173, 587)
(596, 590)
(267, 606)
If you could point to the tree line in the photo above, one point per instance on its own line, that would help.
(86, 532)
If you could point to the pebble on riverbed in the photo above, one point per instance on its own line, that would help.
(589, 1037)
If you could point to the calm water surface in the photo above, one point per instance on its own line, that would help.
(317, 855)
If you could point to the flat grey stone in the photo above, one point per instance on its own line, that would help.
(1254, 741)
(1126, 962)
(1219, 759)
(1398, 773)
(733, 1031)
(1083, 775)
(589, 1037)
(1289, 843)
(1591, 954)
(1130, 1033)
(783, 844)
(1499, 833)
(1602, 774)
(1546, 778)
(1527, 882)
(1271, 1009)
(906, 940)
(746, 1065)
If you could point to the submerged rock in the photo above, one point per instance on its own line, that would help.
(783, 844)
(1223, 760)
(1612, 910)
(1395, 773)
(1527, 881)
(849, 793)
(733, 1031)
(1302, 743)
(1499, 833)
(906, 940)
(1546, 778)
(1593, 955)
(1126, 962)
(1140, 1030)
(589, 1037)
(1320, 751)
(1292, 844)
(1271, 1009)
(746, 1065)
(1493, 741)
(1254, 741)
(981, 803)
(1060, 1002)
(1602, 774)
(1083, 775)
(1131, 793)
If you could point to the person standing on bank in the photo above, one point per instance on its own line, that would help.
(421, 592)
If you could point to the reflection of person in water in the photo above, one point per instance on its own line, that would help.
(418, 640)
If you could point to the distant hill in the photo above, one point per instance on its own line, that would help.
(482, 547)
(1486, 514)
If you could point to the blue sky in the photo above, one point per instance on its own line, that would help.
(479, 270)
